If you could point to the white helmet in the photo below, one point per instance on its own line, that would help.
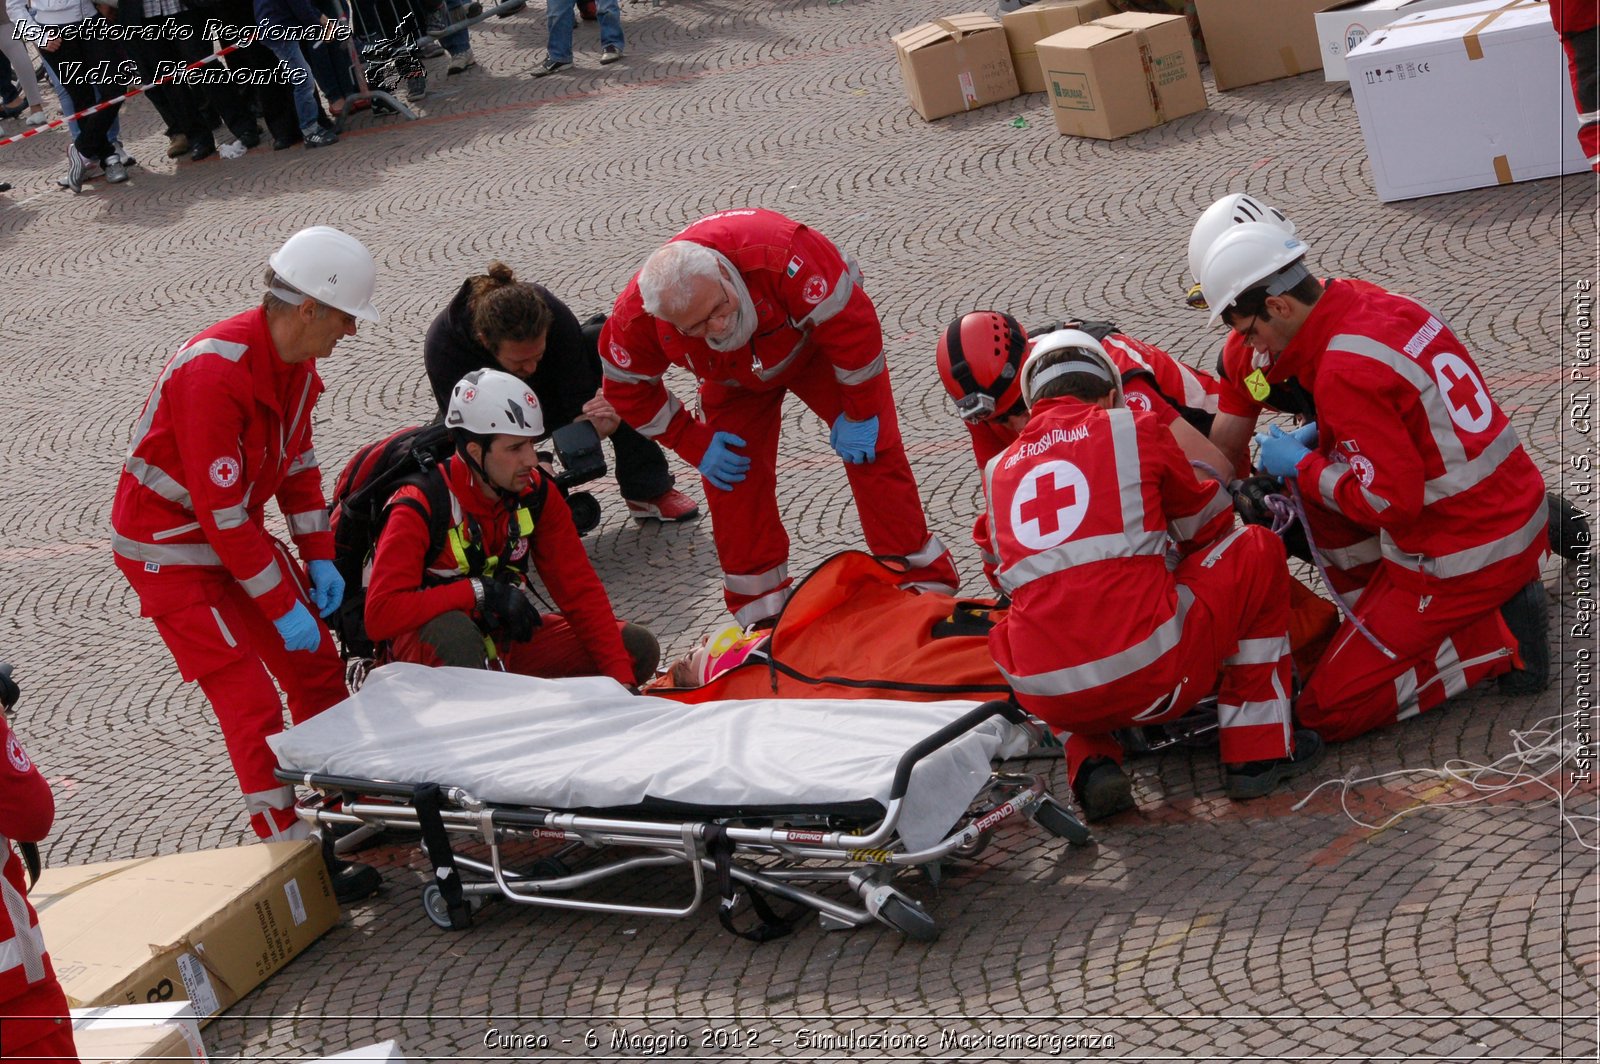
(1253, 254)
(490, 402)
(331, 267)
(1238, 209)
(1092, 354)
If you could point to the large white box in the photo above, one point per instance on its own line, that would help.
(1465, 97)
(1343, 25)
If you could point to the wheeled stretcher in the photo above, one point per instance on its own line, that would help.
(577, 781)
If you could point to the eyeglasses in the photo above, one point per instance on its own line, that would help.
(1249, 335)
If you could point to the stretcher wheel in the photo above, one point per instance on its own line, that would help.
(1058, 820)
(458, 918)
(908, 918)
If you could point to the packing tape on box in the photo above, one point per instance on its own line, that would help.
(1291, 64)
(1148, 62)
(1502, 169)
(949, 27)
(1470, 38)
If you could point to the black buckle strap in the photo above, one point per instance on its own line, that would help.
(428, 801)
(719, 847)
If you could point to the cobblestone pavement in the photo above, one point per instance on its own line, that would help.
(1197, 929)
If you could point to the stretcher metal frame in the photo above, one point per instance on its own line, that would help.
(864, 861)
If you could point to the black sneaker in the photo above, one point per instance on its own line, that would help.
(1257, 779)
(351, 880)
(550, 66)
(317, 137)
(1569, 529)
(1527, 615)
(1102, 789)
(250, 140)
(202, 149)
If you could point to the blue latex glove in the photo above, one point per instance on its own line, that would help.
(299, 629)
(854, 441)
(327, 586)
(1280, 453)
(722, 466)
(1306, 434)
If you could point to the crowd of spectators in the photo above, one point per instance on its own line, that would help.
(296, 66)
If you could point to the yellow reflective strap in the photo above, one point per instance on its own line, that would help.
(524, 522)
(1256, 382)
(458, 548)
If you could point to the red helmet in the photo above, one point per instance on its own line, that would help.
(980, 362)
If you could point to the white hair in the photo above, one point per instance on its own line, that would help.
(664, 277)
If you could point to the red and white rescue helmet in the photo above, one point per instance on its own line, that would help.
(980, 363)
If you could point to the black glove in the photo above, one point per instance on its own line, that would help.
(507, 611)
(1250, 495)
(9, 693)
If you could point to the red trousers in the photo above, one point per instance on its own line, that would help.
(223, 642)
(1352, 552)
(752, 545)
(1582, 66)
(36, 1027)
(554, 651)
(1443, 644)
(1235, 642)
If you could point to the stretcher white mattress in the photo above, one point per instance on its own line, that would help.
(589, 744)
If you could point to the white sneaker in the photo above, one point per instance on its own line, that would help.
(119, 153)
(36, 118)
(460, 63)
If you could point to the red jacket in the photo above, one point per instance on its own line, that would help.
(1411, 444)
(226, 427)
(27, 980)
(1233, 390)
(809, 303)
(1160, 381)
(1574, 16)
(1083, 551)
(398, 602)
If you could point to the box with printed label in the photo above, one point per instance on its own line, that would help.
(955, 63)
(1259, 40)
(1344, 25)
(1122, 74)
(113, 1033)
(208, 927)
(1026, 27)
(1449, 100)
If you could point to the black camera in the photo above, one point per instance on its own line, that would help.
(577, 447)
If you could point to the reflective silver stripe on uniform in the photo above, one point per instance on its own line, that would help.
(1079, 552)
(222, 627)
(446, 574)
(307, 522)
(612, 372)
(987, 558)
(766, 373)
(29, 942)
(230, 517)
(1327, 481)
(1589, 118)
(1465, 562)
(164, 554)
(1267, 651)
(1459, 474)
(848, 377)
(1377, 503)
(158, 481)
(1354, 556)
(306, 460)
(762, 608)
(1125, 449)
(756, 583)
(931, 552)
(843, 289)
(1272, 711)
(1109, 669)
(1470, 473)
(263, 582)
(1222, 545)
(281, 799)
(663, 418)
(1187, 528)
(176, 530)
(290, 430)
(212, 346)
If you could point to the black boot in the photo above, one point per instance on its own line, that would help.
(1569, 528)
(1527, 616)
(352, 880)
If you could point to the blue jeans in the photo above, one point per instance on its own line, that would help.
(559, 17)
(305, 88)
(458, 42)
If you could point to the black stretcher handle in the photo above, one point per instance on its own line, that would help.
(954, 730)
(377, 788)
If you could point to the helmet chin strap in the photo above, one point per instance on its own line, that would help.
(509, 498)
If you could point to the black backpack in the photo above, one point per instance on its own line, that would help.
(359, 508)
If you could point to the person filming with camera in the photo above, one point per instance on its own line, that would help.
(495, 321)
(450, 575)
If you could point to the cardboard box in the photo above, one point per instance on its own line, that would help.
(1027, 27)
(1344, 25)
(1121, 74)
(954, 64)
(1260, 40)
(206, 926)
(1465, 97)
(167, 1030)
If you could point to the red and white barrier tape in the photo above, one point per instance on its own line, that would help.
(130, 94)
